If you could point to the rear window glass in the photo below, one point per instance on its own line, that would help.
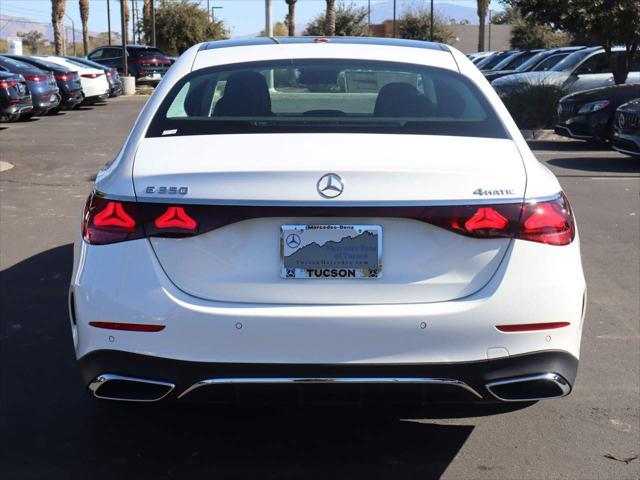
(145, 52)
(326, 96)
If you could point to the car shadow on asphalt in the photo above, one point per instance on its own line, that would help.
(614, 164)
(567, 145)
(53, 428)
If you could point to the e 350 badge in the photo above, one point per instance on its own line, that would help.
(167, 190)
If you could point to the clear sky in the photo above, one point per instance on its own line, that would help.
(244, 17)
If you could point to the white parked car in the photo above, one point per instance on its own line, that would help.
(334, 212)
(95, 85)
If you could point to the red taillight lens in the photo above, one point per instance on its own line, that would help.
(91, 75)
(175, 218)
(35, 78)
(63, 76)
(486, 218)
(114, 216)
(108, 74)
(108, 221)
(7, 83)
(548, 222)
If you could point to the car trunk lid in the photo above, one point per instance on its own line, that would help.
(241, 260)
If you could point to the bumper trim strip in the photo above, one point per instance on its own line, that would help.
(311, 380)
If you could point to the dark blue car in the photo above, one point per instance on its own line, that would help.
(42, 85)
(67, 80)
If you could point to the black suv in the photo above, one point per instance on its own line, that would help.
(147, 64)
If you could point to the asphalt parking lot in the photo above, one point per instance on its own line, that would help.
(52, 429)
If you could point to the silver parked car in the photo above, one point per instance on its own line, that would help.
(582, 70)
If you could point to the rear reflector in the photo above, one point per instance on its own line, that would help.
(130, 327)
(531, 327)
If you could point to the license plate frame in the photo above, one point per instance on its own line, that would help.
(341, 251)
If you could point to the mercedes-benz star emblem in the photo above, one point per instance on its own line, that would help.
(621, 121)
(330, 185)
(293, 240)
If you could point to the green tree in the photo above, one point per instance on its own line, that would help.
(181, 24)
(32, 39)
(416, 24)
(507, 17)
(527, 34)
(600, 22)
(279, 30)
(351, 21)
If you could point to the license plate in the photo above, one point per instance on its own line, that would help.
(52, 98)
(331, 251)
(156, 76)
(21, 89)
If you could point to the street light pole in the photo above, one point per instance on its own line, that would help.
(109, 20)
(431, 20)
(123, 29)
(73, 33)
(394, 19)
(153, 22)
(268, 26)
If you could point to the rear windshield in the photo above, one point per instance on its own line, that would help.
(348, 96)
(145, 53)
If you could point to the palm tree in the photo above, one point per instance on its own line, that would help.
(291, 18)
(330, 19)
(57, 14)
(483, 7)
(84, 17)
(146, 20)
(127, 14)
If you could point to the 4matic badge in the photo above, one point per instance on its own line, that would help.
(492, 193)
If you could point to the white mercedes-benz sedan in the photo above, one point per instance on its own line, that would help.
(324, 218)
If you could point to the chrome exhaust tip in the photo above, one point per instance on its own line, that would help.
(529, 388)
(116, 387)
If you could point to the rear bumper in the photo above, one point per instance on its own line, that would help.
(416, 383)
(45, 102)
(124, 283)
(17, 108)
(95, 98)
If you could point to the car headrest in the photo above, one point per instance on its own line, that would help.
(245, 94)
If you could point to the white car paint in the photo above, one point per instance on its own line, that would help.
(94, 81)
(442, 294)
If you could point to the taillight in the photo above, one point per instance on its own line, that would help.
(548, 222)
(175, 218)
(35, 78)
(7, 83)
(109, 221)
(91, 75)
(63, 76)
(108, 74)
